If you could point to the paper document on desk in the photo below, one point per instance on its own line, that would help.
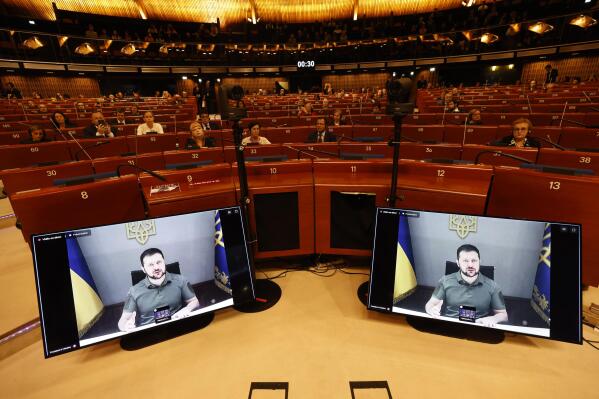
(164, 188)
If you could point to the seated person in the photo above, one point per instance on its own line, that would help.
(474, 117)
(60, 120)
(204, 119)
(149, 127)
(198, 138)
(521, 128)
(36, 135)
(254, 137)
(468, 287)
(321, 134)
(337, 119)
(120, 118)
(306, 110)
(158, 289)
(452, 106)
(98, 127)
(134, 111)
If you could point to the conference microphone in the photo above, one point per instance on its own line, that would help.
(502, 154)
(342, 137)
(154, 174)
(322, 152)
(300, 152)
(580, 123)
(84, 149)
(548, 141)
(81, 148)
(391, 142)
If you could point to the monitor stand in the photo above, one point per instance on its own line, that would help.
(456, 330)
(144, 338)
(268, 294)
(363, 292)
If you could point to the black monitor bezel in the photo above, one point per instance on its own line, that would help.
(251, 273)
(468, 326)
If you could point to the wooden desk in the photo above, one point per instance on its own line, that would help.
(50, 209)
(368, 177)
(470, 152)
(21, 179)
(528, 194)
(23, 155)
(293, 177)
(195, 189)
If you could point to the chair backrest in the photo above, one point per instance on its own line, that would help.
(487, 271)
(138, 275)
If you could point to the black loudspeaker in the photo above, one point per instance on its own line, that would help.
(352, 220)
(277, 221)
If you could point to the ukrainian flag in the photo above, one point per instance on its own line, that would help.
(221, 268)
(541, 298)
(405, 277)
(88, 305)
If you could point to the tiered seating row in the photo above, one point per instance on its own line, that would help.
(471, 189)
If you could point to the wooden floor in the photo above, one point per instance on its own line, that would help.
(318, 338)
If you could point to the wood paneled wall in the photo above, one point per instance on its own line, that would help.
(48, 86)
(253, 84)
(581, 67)
(357, 81)
(185, 85)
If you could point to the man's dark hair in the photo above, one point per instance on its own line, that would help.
(149, 252)
(467, 248)
(120, 111)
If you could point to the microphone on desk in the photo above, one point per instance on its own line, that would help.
(502, 154)
(84, 149)
(547, 140)
(154, 174)
(300, 152)
(391, 143)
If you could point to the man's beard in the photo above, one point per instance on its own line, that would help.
(153, 276)
(470, 272)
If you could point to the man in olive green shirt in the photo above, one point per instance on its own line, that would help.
(158, 290)
(469, 288)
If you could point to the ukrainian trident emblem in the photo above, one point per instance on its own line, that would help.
(463, 225)
(141, 231)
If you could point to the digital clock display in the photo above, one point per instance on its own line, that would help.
(306, 64)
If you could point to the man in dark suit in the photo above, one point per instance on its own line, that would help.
(321, 135)
(120, 118)
(551, 75)
(98, 127)
(206, 123)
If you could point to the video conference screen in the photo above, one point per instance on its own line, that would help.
(515, 275)
(100, 283)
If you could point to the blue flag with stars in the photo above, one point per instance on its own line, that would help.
(541, 298)
(221, 268)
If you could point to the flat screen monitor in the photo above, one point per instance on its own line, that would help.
(520, 276)
(105, 282)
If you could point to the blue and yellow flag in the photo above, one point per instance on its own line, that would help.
(405, 277)
(221, 268)
(88, 304)
(541, 299)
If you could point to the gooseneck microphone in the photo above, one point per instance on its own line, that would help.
(154, 174)
(99, 143)
(502, 154)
